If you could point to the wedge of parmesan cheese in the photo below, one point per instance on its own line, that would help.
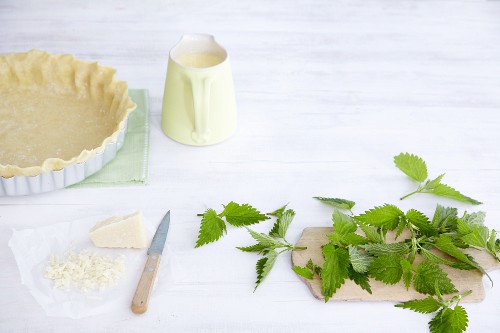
(120, 231)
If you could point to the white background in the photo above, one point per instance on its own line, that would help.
(328, 92)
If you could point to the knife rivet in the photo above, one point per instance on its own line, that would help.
(150, 269)
(154, 257)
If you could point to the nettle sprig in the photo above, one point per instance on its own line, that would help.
(449, 317)
(358, 250)
(273, 244)
(415, 168)
(270, 245)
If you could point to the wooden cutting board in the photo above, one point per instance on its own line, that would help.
(315, 238)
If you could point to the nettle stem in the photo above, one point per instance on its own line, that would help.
(415, 244)
(418, 190)
(292, 247)
(456, 299)
(467, 293)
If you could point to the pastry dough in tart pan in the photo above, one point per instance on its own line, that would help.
(57, 111)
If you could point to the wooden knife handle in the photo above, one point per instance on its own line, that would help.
(145, 285)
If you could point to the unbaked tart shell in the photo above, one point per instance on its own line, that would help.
(57, 111)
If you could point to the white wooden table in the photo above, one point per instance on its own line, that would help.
(328, 92)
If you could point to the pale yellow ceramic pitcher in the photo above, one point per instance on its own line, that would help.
(199, 106)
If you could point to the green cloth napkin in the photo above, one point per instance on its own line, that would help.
(130, 166)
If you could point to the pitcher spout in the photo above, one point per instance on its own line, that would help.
(187, 51)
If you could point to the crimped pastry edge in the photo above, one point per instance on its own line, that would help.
(96, 77)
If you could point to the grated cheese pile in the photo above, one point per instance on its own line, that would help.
(85, 270)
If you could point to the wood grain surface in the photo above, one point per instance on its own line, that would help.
(328, 91)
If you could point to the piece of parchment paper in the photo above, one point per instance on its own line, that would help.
(32, 249)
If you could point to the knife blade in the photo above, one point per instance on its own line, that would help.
(145, 286)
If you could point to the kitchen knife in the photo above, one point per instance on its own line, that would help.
(145, 285)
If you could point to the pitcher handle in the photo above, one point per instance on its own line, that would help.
(201, 102)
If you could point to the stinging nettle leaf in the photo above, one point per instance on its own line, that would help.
(278, 212)
(475, 218)
(440, 260)
(400, 248)
(263, 239)
(387, 216)
(284, 222)
(305, 272)
(449, 320)
(361, 279)
(371, 233)
(400, 228)
(444, 217)
(445, 244)
(212, 228)
(430, 276)
(264, 266)
(431, 184)
(360, 260)
(447, 191)
(337, 202)
(477, 237)
(421, 222)
(354, 239)
(463, 227)
(387, 268)
(242, 215)
(260, 248)
(274, 232)
(492, 245)
(334, 271)
(347, 239)
(310, 264)
(336, 239)
(481, 239)
(343, 223)
(407, 272)
(315, 268)
(412, 165)
(281, 225)
(492, 240)
(426, 305)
